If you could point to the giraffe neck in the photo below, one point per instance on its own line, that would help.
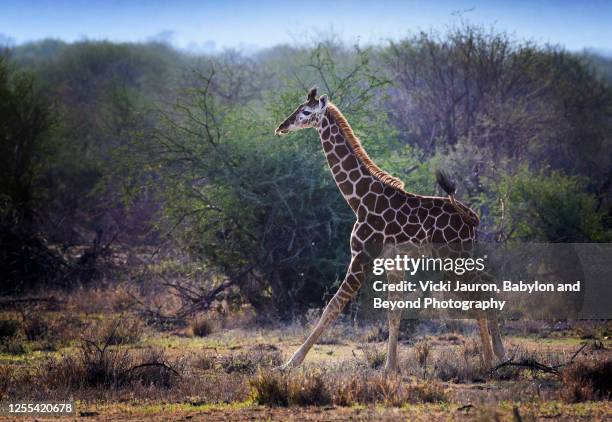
(350, 173)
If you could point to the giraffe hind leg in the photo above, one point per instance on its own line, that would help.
(498, 345)
(487, 352)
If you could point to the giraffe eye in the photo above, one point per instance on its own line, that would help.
(306, 113)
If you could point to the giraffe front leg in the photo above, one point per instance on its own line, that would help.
(349, 287)
(395, 318)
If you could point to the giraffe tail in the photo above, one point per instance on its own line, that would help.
(467, 215)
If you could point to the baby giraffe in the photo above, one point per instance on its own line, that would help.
(389, 220)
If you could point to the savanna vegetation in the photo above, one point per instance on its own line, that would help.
(158, 241)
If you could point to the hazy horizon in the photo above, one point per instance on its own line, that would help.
(211, 26)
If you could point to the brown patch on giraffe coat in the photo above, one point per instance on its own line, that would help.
(442, 221)
(420, 234)
(456, 221)
(362, 187)
(325, 133)
(342, 151)
(369, 200)
(429, 221)
(389, 190)
(448, 208)
(422, 214)
(364, 231)
(438, 237)
(346, 187)
(412, 202)
(427, 204)
(349, 163)
(382, 203)
(376, 222)
(353, 282)
(397, 200)
(411, 229)
(402, 238)
(362, 213)
(374, 245)
(332, 159)
(377, 187)
(355, 175)
(389, 215)
(401, 217)
(450, 234)
(377, 238)
(392, 228)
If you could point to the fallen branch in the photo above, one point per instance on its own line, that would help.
(532, 364)
(466, 408)
(578, 352)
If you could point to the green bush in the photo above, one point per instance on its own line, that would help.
(547, 207)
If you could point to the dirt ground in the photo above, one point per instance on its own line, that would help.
(221, 375)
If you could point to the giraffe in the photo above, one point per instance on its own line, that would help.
(388, 218)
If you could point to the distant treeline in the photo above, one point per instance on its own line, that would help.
(110, 146)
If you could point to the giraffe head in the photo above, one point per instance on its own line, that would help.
(308, 114)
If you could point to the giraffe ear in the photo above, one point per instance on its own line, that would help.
(323, 102)
(312, 94)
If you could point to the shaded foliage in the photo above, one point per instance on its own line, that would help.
(25, 121)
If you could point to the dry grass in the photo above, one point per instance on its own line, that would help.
(12, 337)
(96, 367)
(202, 326)
(422, 351)
(375, 333)
(108, 360)
(6, 379)
(374, 356)
(587, 380)
(122, 330)
(249, 361)
(277, 388)
(115, 298)
(342, 387)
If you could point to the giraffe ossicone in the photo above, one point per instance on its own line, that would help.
(388, 218)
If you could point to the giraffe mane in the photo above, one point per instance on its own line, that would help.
(360, 152)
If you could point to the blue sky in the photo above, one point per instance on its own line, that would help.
(211, 24)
